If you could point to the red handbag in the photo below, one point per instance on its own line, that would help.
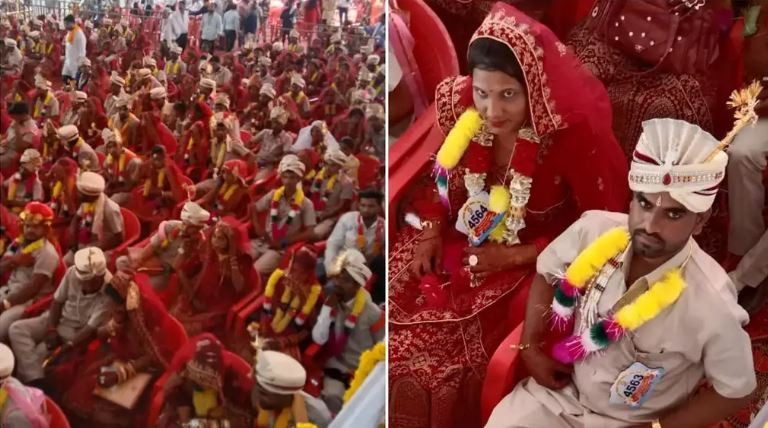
(649, 31)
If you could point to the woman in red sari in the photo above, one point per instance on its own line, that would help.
(292, 294)
(192, 153)
(230, 197)
(207, 382)
(141, 337)
(92, 121)
(227, 275)
(540, 127)
(161, 188)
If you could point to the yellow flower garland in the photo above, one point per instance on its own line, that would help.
(591, 260)
(31, 248)
(458, 139)
(160, 181)
(649, 304)
(298, 197)
(46, 102)
(281, 320)
(368, 361)
(227, 191)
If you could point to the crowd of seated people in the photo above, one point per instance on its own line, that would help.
(188, 237)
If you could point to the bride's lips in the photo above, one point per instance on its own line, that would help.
(497, 123)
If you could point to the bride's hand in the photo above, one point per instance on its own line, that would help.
(493, 257)
(428, 255)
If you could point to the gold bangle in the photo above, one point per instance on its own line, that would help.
(524, 346)
(656, 423)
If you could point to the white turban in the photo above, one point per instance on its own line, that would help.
(90, 263)
(30, 155)
(10, 43)
(297, 80)
(7, 361)
(277, 46)
(336, 156)
(80, 96)
(268, 90)
(336, 38)
(207, 83)
(279, 373)
(85, 62)
(353, 262)
(279, 114)
(123, 101)
(34, 34)
(291, 163)
(157, 93)
(117, 80)
(68, 132)
(222, 99)
(107, 135)
(294, 33)
(177, 50)
(364, 74)
(90, 183)
(143, 73)
(150, 61)
(265, 61)
(41, 83)
(373, 60)
(194, 214)
(671, 157)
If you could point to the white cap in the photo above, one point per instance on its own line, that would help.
(279, 373)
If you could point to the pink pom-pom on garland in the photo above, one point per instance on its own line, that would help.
(613, 330)
(568, 289)
(569, 350)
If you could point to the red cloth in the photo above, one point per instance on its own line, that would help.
(583, 168)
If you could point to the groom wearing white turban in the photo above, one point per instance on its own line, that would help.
(290, 220)
(348, 311)
(688, 325)
(79, 308)
(158, 258)
(334, 191)
(98, 221)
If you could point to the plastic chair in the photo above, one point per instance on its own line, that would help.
(368, 173)
(58, 419)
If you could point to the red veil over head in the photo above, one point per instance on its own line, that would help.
(561, 91)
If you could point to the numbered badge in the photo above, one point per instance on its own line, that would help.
(475, 219)
(634, 385)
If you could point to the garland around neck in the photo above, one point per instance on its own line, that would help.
(581, 275)
(507, 199)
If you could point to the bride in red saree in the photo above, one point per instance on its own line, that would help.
(207, 382)
(227, 275)
(139, 338)
(530, 113)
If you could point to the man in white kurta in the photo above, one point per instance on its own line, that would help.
(696, 337)
(74, 49)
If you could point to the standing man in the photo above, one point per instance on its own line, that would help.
(658, 315)
(179, 21)
(287, 19)
(74, 50)
(211, 29)
(231, 25)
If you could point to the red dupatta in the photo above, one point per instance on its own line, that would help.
(214, 287)
(232, 378)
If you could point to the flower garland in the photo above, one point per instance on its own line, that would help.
(468, 140)
(78, 145)
(46, 103)
(71, 35)
(281, 421)
(218, 152)
(172, 68)
(120, 167)
(26, 191)
(167, 240)
(357, 308)
(160, 182)
(368, 361)
(281, 320)
(225, 194)
(278, 232)
(15, 246)
(361, 241)
(190, 144)
(86, 222)
(607, 330)
(318, 182)
(56, 195)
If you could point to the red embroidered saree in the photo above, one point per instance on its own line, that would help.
(205, 306)
(438, 355)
